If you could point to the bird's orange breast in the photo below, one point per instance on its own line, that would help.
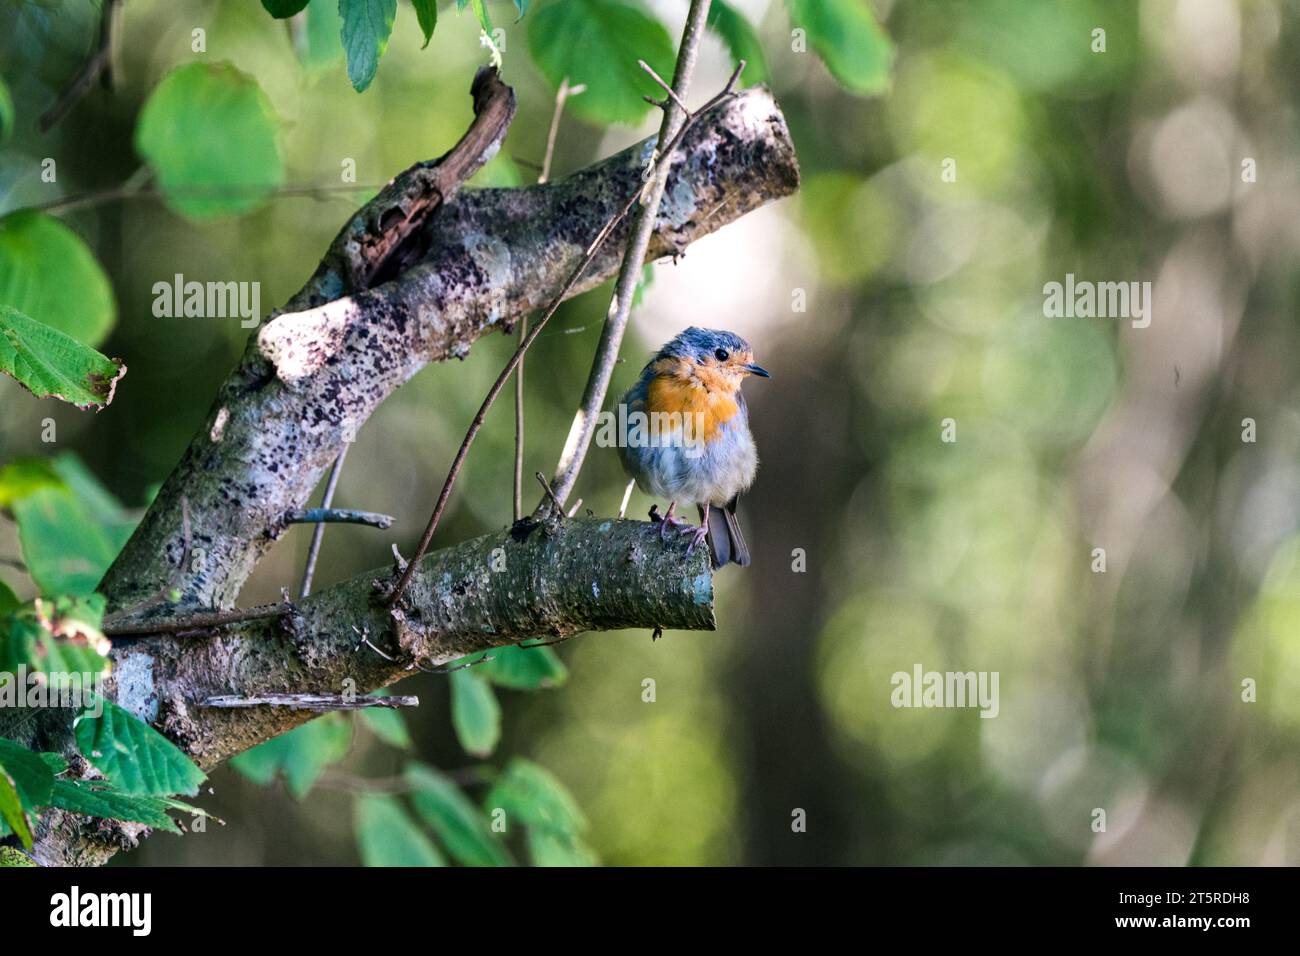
(709, 408)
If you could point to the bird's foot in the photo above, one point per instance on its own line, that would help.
(668, 521)
(698, 536)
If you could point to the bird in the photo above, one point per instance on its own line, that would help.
(684, 436)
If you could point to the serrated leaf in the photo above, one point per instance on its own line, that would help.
(367, 25)
(548, 848)
(98, 799)
(741, 41)
(598, 42)
(11, 810)
(50, 275)
(386, 836)
(426, 12)
(475, 713)
(32, 777)
(299, 756)
(534, 797)
(50, 364)
(212, 138)
(524, 668)
(134, 756)
(283, 9)
(845, 34)
(454, 819)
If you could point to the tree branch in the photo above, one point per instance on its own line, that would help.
(416, 276)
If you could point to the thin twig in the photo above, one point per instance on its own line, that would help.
(128, 191)
(197, 622)
(676, 120)
(317, 702)
(319, 516)
(686, 62)
(100, 62)
(550, 493)
(318, 533)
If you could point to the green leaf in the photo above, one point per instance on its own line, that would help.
(58, 637)
(134, 756)
(367, 24)
(6, 113)
(48, 363)
(481, 11)
(452, 816)
(300, 755)
(66, 550)
(386, 724)
(386, 836)
(850, 42)
(598, 42)
(50, 275)
(426, 11)
(531, 795)
(475, 713)
(211, 136)
(522, 668)
(8, 600)
(741, 40)
(319, 45)
(548, 848)
(22, 477)
(11, 810)
(283, 9)
(95, 798)
(31, 776)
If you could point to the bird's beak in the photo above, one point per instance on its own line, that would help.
(753, 369)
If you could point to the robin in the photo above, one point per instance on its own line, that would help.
(685, 436)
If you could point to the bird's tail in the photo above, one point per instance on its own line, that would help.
(725, 540)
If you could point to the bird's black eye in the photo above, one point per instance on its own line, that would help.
(721, 355)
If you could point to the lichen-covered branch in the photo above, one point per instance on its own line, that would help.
(538, 579)
(310, 379)
(416, 276)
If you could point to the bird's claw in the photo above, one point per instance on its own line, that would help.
(698, 536)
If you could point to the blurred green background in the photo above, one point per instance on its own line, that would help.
(877, 544)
